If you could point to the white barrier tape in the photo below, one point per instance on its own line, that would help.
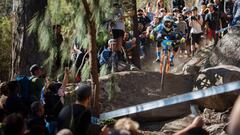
(215, 90)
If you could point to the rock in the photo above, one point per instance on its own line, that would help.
(227, 50)
(131, 88)
(176, 125)
(217, 76)
(198, 61)
(214, 123)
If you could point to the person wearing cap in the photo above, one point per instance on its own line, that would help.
(195, 22)
(175, 13)
(37, 82)
(211, 26)
(107, 53)
(77, 116)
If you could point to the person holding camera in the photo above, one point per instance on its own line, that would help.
(195, 22)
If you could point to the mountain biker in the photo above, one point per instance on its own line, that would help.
(166, 29)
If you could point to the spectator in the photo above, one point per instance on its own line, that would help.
(76, 116)
(129, 44)
(229, 10)
(178, 4)
(175, 13)
(36, 123)
(236, 12)
(14, 124)
(14, 104)
(37, 82)
(182, 28)
(150, 14)
(222, 17)
(211, 24)
(143, 19)
(118, 28)
(195, 22)
(107, 55)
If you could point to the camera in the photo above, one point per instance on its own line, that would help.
(193, 18)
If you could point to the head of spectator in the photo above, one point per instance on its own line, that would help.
(160, 4)
(14, 124)
(186, 11)
(112, 44)
(180, 17)
(156, 20)
(126, 36)
(13, 87)
(149, 7)
(37, 109)
(3, 89)
(127, 124)
(65, 132)
(163, 12)
(84, 93)
(140, 12)
(194, 11)
(210, 7)
(217, 2)
(203, 9)
(57, 29)
(176, 12)
(36, 70)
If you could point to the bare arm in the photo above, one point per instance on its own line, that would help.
(197, 122)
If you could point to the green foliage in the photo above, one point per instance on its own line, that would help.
(71, 15)
(5, 47)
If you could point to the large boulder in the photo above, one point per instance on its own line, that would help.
(125, 89)
(217, 76)
(227, 50)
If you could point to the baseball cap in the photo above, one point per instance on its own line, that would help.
(83, 91)
(111, 41)
(34, 67)
(210, 5)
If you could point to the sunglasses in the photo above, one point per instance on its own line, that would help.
(162, 11)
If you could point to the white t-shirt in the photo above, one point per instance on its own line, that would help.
(195, 25)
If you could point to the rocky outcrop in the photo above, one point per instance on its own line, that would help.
(217, 76)
(125, 89)
(227, 50)
(214, 122)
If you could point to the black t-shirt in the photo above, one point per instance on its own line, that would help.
(76, 118)
(211, 19)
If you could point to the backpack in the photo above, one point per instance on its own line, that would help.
(25, 85)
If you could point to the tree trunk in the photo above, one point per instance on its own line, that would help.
(136, 59)
(93, 58)
(25, 50)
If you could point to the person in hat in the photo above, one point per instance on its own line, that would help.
(195, 22)
(77, 116)
(37, 82)
(107, 53)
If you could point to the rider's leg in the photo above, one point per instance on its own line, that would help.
(158, 52)
(168, 63)
(161, 61)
